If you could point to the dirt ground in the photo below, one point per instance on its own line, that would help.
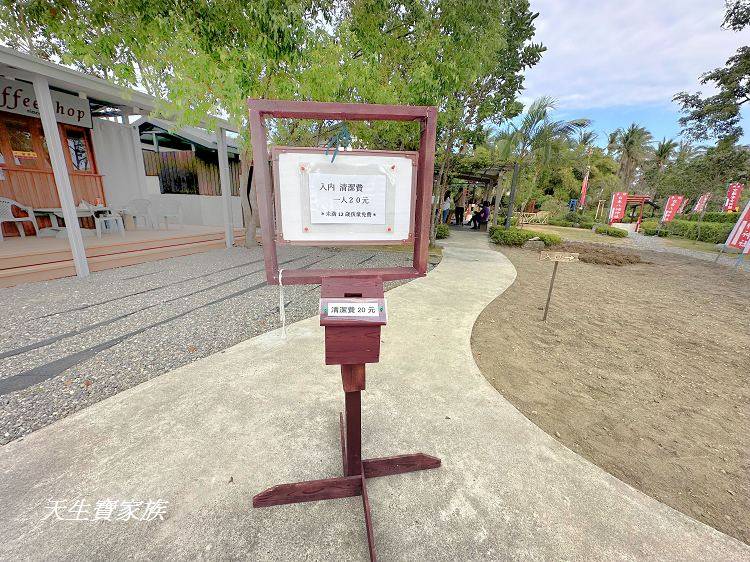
(640, 368)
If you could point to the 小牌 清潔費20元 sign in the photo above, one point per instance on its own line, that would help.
(347, 198)
(19, 98)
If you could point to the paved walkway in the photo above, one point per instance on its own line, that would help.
(209, 435)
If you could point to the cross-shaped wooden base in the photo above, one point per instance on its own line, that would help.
(356, 470)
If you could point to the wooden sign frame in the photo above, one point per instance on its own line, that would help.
(260, 110)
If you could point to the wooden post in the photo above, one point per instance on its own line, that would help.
(226, 186)
(60, 172)
(140, 167)
(549, 293)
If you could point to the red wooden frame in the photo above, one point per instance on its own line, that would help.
(260, 109)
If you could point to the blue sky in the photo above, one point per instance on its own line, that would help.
(621, 62)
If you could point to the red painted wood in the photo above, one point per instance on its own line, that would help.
(262, 175)
(261, 109)
(425, 172)
(342, 437)
(368, 521)
(316, 276)
(349, 345)
(353, 433)
(353, 377)
(369, 286)
(312, 490)
(399, 464)
(338, 111)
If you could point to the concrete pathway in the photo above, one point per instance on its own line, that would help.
(209, 435)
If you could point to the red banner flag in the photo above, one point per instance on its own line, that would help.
(740, 234)
(584, 188)
(700, 205)
(734, 192)
(670, 209)
(617, 207)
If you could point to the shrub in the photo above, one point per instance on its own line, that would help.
(649, 228)
(585, 223)
(715, 216)
(560, 222)
(712, 232)
(517, 237)
(610, 231)
(685, 229)
(549, 239)
(715, 232)
(511, 236)
(442, 231)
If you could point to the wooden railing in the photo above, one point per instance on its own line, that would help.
(37, 189)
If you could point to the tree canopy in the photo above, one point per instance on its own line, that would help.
(718, 115)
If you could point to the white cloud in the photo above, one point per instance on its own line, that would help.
(609, 53)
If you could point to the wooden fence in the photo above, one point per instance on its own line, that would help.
(188, 172)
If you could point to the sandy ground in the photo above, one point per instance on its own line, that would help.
(642, 369)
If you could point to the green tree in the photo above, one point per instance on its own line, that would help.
(537, 140)
(464, 56)
(663, 153)
(632, 146)
(719, 115)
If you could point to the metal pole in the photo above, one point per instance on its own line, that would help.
(512, 197)
(700, 220)
(549, 294)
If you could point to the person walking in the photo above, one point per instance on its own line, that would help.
(460, 207)
(446, 206)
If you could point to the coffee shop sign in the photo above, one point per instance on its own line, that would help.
(18, 97)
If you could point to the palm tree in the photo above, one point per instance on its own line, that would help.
(687, 151)
(536, 129)
(632, 147)
(586, 138)
(536, 136)
(663, 153)
(612, 142)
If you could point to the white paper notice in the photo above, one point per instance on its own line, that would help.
(347, 198)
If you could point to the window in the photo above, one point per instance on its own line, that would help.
(79, 154)
(21, 144)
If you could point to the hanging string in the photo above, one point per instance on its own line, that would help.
(340, 139)
(282, 308)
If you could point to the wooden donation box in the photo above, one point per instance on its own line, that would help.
(309, 197)
(352, 311)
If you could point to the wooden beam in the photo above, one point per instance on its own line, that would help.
(338, 111)
(60, 171)
(226, 185)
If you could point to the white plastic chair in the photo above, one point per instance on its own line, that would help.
(169, 211)
(141, 208)
(6, 215)
(102, 218)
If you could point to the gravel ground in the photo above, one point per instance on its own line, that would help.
(71, 342)
(656, 244)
